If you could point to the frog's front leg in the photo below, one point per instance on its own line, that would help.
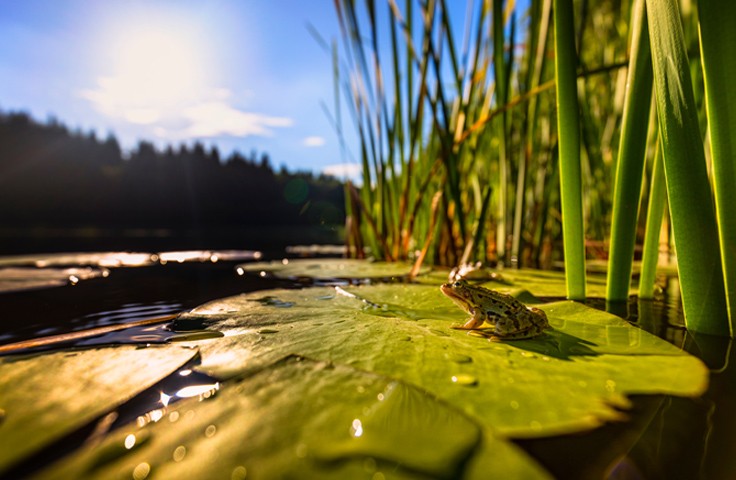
(474, 323)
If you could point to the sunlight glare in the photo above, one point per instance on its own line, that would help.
(154, 71)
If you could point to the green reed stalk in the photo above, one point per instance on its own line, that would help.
(499, 73)
(568, 128)
(718, 44)
(689, 193)
(631, 154)
(540, 16)
(655, 212)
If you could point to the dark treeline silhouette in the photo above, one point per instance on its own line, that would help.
(52, 176)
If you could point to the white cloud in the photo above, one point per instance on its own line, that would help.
(314, 141)
(344, 170)
(206, 113)
(215, 118)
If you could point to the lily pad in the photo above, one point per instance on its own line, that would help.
(97, 259)
(323, 270)
(574, 377)
(14, 279)
(45, 397)
(300, 418)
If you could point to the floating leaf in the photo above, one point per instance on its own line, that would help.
(336, 382)
(327, 270)
(13, 279)
(98, 259)
(574, 377)
(45, 397)
(301, 418)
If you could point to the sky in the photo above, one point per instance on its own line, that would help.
(237, 74)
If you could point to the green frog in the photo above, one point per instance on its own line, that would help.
(512, 319)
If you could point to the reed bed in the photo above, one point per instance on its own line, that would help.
(517, 136)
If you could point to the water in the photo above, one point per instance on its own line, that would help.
(127, 295)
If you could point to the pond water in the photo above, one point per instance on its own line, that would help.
(665, 437)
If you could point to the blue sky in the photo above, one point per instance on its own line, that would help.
(239, 74)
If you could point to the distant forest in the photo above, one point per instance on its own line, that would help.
(52, 176)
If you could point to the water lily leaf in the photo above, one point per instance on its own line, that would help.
(574, 377)
(544, 283)
(329, 269)
(300, 418)
(97, 259)
(45, 397)
(14, 279)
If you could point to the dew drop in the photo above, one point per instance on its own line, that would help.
(465, 380)
(356, 429)
(141, 471)
(610, 386)
(514, 404)
(239, 473)
(129, 441)
(179, 453)
(173, 416)
(210, 431)
(458, 358)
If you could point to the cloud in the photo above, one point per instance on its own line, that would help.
(200, 113)
(314, 141)
(344, 170)
(216, 118)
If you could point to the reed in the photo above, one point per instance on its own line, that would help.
(688, 189)
(631, 156)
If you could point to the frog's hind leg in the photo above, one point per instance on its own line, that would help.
(531, 332)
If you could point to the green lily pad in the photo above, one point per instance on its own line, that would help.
(574, 377)
(371, 381)
(300, 418)
(45, 397)
(329, 269)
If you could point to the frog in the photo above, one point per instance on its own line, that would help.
(512, 320)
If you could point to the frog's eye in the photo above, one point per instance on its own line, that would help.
(457, 284)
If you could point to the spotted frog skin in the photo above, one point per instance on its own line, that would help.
(512, 319)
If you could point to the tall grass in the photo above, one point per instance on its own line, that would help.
(474, 146)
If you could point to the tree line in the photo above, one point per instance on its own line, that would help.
(53, 176)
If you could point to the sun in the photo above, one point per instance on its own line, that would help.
(153, 71)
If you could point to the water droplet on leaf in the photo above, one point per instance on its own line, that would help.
(464, 379)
